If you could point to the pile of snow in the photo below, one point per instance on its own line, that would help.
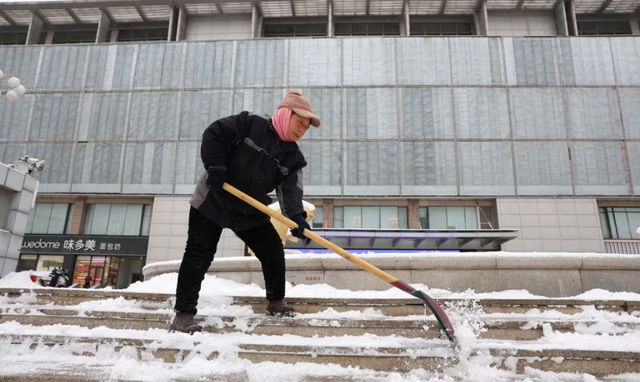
(306, 205)
(20, 280)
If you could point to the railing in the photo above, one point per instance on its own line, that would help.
(629, 247)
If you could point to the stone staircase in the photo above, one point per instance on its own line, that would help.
(384, 336)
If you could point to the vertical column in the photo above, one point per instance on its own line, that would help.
(635, 27)
(572, 23)
(413, 214)
(255, 22)
(103, 27)
(561, 20)
(330, 29)
(327, 209)
(182, 24)
(48, 40)
(78, 217)
(35, 29)
(407, 29)
(173, 24)
(482, 19)
(114, 36)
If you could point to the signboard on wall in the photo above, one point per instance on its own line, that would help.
(85, 245)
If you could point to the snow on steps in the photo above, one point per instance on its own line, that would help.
(517, 327)
(139, 333)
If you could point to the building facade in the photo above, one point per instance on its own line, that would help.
(443, 115)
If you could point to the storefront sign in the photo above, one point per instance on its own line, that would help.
(84, 245)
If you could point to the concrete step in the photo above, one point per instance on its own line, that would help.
(429, 356)
(389, 307)
(515, 328)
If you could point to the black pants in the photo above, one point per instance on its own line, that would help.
(202, 242)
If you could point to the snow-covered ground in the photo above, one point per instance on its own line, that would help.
(602, 330)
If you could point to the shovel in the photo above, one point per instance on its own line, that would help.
(441, 316)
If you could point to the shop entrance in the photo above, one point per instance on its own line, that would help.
(106, 271)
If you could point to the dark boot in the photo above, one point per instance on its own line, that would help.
(185, 323)
(280, 308)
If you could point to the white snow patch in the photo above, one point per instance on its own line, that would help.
(19, 280)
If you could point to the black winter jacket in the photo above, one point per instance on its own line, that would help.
(257, 162)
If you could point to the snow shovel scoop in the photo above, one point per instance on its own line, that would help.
(440, 315)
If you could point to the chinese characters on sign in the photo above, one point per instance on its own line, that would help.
(110, 246)
(82, 244)
(89, 245)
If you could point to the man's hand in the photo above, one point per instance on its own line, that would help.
(216, 176)
(301, 221)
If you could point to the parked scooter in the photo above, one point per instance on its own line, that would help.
(58, 278)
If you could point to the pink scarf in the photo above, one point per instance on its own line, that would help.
(281, 122)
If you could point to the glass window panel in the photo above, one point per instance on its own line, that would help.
(464, 28)
(343, 29)
(634, 223)
(359, 29)
(74, 37)
(133, 220)
(13, 38)
(437, 217)
(32, 218)
(486, 217)
(455, 218)
(338, 217)
(146, 218)
(587, 28)
(432, 29)
(424, 218)
(403, 217)
(389, 217)
(371, 218)
(117, 218)
(58, 218)
(613, 225)
(392, 29)
(27, 263)
(111, 273)
(311, 29)
(42, 217)
(89, 219)
(71, 209)
(279, 30)
(471, 217)
(318, 218)
(97, 269)
(99, 219)
(352, 217)
(83, 265)
(604, 222)
(622, 223)
(48, 263)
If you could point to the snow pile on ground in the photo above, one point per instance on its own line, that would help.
(18, 280)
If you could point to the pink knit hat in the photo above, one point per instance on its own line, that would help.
(300, 105)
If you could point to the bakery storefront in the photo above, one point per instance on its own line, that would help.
(107, 261)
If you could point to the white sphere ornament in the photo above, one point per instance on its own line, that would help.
(13, 82)
(1, 74)
(20, 90)
(11, 95)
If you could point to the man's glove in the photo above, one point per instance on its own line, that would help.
(216, 176)
(301, 221)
